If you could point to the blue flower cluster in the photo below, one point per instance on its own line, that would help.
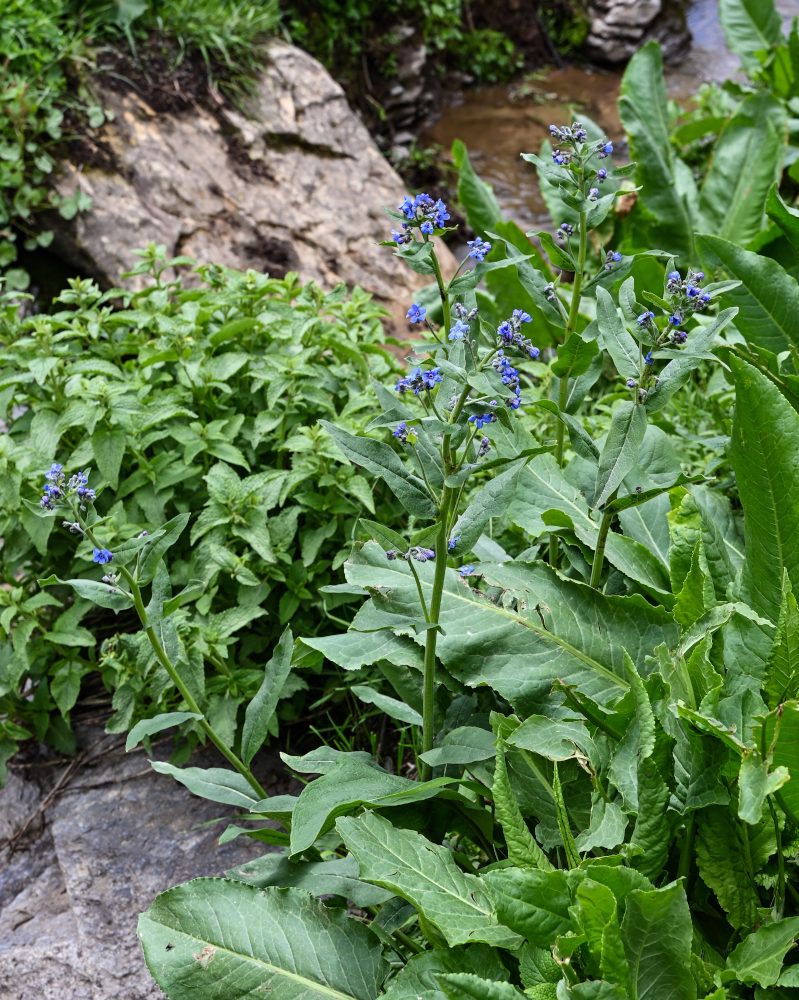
(510, 378)
(58, 488)
(686, 296)
(419, 381)
(460, 328)
(417, 552)
(479, 248)
(509, 333)
(421, 212)
(481, 419)
(466, 570)
(401, 433)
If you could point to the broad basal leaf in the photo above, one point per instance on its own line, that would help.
(657, 932)
(226, 940)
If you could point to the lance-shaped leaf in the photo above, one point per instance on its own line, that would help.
(781, 680)
(491, 500)
(747, 160)
(93, 590)
(215, 783)
(381, 459)
(261, 710)
(667, 186)
(765, 457)
(767, 298)
(720, 860)
(780, 728)
(523, 850)
(425, 874)
(620, 452)
(618, 341)
(477, 197)
(149, 727)
(750, 26)
(338, 877)
(226, 940)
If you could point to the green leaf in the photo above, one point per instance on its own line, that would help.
(380, 459)
(477, 197)
(637, 744)
(149, 727)
(720, 860)
(746, 162)
(656, 932)
(781, 679)
(384, 536)
(759, 957)
(491, 500)
(523, 851)
(418, 979)
(261, 710)
(464, 986)
(787, 218)
(393, 707)
(780, 729)
(574, 357)
(425, 874)
(349, 784)
(338, 877)
(215, 783)
(755, 784)
(108, 446)
(767, 298)
(152, 553)
(533, 903)
(750, 26)
(620, 452)
(696, 596)
(93, 590)
(667, 187)
(564, 826)
(227, 940)
(558, 255)
(765, 456)
(619, 344)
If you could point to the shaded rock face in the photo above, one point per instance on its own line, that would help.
(116, 836)
(620, 27)
(295, 184)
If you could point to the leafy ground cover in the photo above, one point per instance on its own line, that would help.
(576, 598)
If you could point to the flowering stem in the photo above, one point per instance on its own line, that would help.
(442, 291)
(604, 528)
(431, 638)
(166, 663)
(563, 388)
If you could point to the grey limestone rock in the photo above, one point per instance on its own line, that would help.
(296, 183)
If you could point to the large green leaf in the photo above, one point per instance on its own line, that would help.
(226, 940)
(781, 679)
(338, 877)
(426, 875)
(620, 452)
(491, 500)
(533, 903)
(668, 188)
(657, 933)
(781, 728)
(720, 859)
(767, 298)
(465, 986)
(477, 197)
(522, 847)
(747, 160)
(542, 488)
(507, 644)
(750, 26)
(765, 457)
(759, 957)
(618, 341)
(418, 980)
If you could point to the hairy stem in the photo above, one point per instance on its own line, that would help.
(604, 528)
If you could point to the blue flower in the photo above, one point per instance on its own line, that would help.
(644, 318)
(481, 419)
(648, 359)
(453, 542)
(416, 313)
(459, 330)
(102, 556)
(691, 291)
(679, 337)
(401, 237)
(408, 208)
(440, 213)
(401, 432)
(485, 447)
(601, 174)
(675, 319)
(706, 297)
(674, 276)
(479, 248)
(505, 332)
(55, 472)
(593, 194)
(616, 256)
(608, 148)
(521, 316)
(466, 570)
(427, 228)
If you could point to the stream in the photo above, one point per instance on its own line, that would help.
(498, 123)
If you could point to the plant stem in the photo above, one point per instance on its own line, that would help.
(604, 528)
(442, 291)
(563, 386)
(166, 663)
(687, 848)
(431, 638)
(779, 896)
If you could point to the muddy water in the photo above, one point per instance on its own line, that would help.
(499, 123)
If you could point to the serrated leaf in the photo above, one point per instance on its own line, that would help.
(523, 851)
(656, 932)
(781, 679)
(533, 903)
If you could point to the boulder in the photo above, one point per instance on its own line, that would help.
(290, 182)
(620, 27)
